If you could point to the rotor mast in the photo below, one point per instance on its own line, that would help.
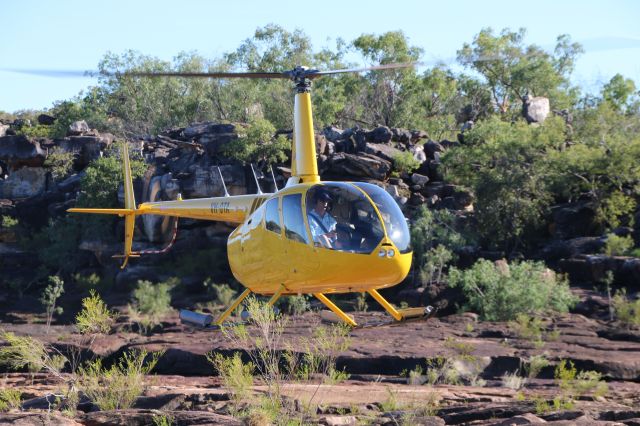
(304, 166)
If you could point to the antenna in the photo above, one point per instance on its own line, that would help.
(226, 193)
(256, 178)
(275, 184)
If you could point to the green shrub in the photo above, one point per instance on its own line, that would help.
(618, 246)
(574, 384)
(257, 144)
(59, 163)
(223, 293)
(535, 365)
(405, 162)
(50, 296)
(26, 352)
(237, 376)
(8, 222)
(10, 399)
(153, 301)
(94, 317)
(36, 132)
(626, 311)
(116, 388)
(501, 293)
(434, 237)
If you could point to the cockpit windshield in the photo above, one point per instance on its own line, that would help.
(341, 218)
(394, 221)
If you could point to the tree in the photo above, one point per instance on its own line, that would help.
(505, 165)
(384, 94)
(619, 92)
(514, 71)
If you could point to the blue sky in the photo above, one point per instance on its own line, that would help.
(74, 35)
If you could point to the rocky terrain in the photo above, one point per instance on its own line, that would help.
(487, 364)
(378, 359)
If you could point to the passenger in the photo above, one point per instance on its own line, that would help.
(343, 238)
(322, 224)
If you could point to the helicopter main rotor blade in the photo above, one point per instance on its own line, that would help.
(209, 74)
(54, 73)
(372, 68)
(89, 74)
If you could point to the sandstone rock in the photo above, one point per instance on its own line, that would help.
(332, 133)
(31, 419)
(401, 135)
(380, 134)
(523, 419)
(3, 129)
(382, 150)
(419, 179)
(17, 151)
(78, 128)
(321, 144)
(46, 120)
(536, 109)
(86, 148)
(417, 135)
(418, 153)
(574, 220)
(133, 417)
(24, 183)
(363, 166)
(196, 130)
(338, 420)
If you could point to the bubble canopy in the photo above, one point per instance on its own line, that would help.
(342, 217)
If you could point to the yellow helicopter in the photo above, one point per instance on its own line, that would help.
(311, 237)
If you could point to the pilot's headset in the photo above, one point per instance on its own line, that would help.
(324, 195)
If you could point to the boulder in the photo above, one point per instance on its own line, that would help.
(46, 120)
(86, 148)
(419, 179)
(332, 133)
(536, 109)
(573, 220)
(431, 147)
(78, 128)
(382, 150)
(197, 130)
(321, 144)
(3, 129)
(24, 183)
(361, 166)
(401, 135)
(418, 152)
(380, 134)
(204, 181)
(18, 151)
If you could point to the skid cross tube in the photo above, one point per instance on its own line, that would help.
(233, 306)
(329, 304)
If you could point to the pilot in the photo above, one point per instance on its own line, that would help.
(322, 224)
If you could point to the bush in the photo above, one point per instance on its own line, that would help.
(626, 311)
(501, 293)
(59, 163)
(94, 317)
(116, 388)
(237, 376)
(26, 352)
(405, 162)
(9, 399)
(258, 144)
(618, 246)
(152, 301)
(50, 296)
